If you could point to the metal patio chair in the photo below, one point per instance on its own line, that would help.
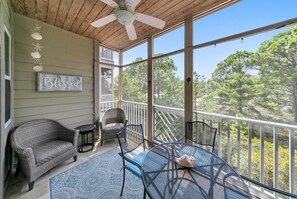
(133, 151)
(201, 134)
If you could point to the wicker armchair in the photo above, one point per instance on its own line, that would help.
(41, 145)
(111, 122)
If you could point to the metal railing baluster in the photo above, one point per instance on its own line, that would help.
(238, 145)
(292, 160)
(249, 151)
(228, 143)
(261, 154)
(220, 137)
(275, 158)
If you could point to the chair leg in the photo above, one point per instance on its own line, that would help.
(31, 184)
(144, 194)
(101, 142)
(75, 158)
(123, 184)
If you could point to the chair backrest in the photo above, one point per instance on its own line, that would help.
(130, 143)
(113, 115)
(36, 132)
(201, 133)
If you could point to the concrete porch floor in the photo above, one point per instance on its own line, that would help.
(18, 186)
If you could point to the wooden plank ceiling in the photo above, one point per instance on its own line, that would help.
(76, 16)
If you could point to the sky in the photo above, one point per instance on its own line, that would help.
(242, 16)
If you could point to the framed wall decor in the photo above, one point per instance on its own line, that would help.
(47, 82)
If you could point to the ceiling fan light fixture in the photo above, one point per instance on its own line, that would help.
(124, 17)
(125, 14)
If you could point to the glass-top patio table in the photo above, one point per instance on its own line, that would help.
(211, 176)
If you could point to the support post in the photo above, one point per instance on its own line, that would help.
(150, 87)
(188, 81)
(96, 84)
(120, 79)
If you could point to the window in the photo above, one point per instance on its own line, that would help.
(106, 84)
(169, 81)
(249, 14)
(109, 56)
(135, 83)
(137, 53)
(7, 61)
(170, 41)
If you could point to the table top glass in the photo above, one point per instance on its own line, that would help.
(211, 176)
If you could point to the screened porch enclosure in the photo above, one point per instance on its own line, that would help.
(229, 63)
(243, 96)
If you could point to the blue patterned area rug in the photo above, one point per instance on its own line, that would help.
(100, 178)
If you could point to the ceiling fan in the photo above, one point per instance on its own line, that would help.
(125, 15)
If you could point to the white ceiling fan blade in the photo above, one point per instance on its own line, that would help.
(103, 21)
(111, 3)
(131, 32)
(132, 4)
(149, 20)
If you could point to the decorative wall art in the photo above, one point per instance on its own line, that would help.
(55, 82)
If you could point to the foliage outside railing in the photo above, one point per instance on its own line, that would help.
(263, 151)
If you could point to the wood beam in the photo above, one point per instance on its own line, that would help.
(120, 78)
(150, 89)
(188, 79)
(96, 86)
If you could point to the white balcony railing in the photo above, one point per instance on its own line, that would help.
(235, 137)
(136, 113)
(106, 98)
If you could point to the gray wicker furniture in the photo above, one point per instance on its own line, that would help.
(111, 122)
(41, 145)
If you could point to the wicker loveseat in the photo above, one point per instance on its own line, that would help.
(41, 145)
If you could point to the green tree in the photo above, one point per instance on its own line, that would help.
(135, 82)
(278, 60)
(168, 87)
(199, 91)
(235, 85)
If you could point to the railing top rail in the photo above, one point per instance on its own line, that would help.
(177, 111)
(106, 102)
(167, 107)
(180, 111)
(138, 103)
(106, 95)
(275, 124)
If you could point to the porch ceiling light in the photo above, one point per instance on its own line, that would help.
(124, 17)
